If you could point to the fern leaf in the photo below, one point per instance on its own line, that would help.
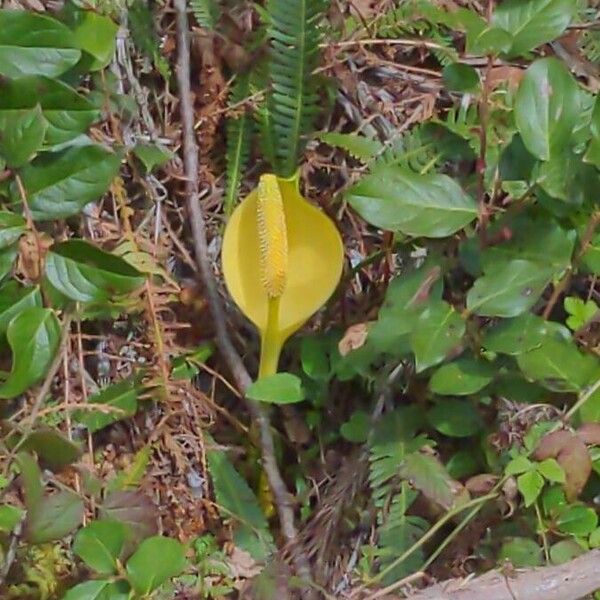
(358, 146)
(206, 12)
(238, 134)
(293, 101)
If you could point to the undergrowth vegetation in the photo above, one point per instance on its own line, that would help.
(439, 415)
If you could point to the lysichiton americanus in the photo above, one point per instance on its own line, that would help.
(282, 260)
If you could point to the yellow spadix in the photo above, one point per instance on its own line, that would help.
(282, 259)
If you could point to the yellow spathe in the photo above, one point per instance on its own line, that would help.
(313, 261)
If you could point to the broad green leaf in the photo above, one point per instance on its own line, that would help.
(553, 500)
(594, 540)
(12, 226)
(521, 334)
(99, 590)
(547, 105)
(460, 77)
(85, 273)
(519, 464)
(489, 40)
(22, 136)
(96, 35)
(34, 44)
(577, 520)
(463, 464)
(9, 517)
(558, 366)
(7, 260)
(52, 448)
(357, 145)
(357, 428)
(564, 551)
(122, 396)
(521, 552)
(438, 330)
(152, 155)
(580, 311)
(34, 337)
(398, 199)
(15, 298)
(60, 185)
(533, 22)
(67, 114)
(530, 485)
(156, 560)
(237, 502)
(551, 471)
(281, 388)
(134, 509)
(100, 544)
(508, 289)
(31, 476)
(462, 377)
(54, 518)
(315, 358)
(590, 411)
(455, 418)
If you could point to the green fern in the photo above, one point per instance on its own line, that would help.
(206, 12)
(293, 101)
(358, 146)
(238, 134)
(589, 44)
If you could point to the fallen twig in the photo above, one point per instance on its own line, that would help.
(281, 495)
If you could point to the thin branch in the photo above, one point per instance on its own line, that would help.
(283, 499)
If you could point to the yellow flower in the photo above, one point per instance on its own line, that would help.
(282, 260)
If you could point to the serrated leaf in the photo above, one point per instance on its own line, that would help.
(530, 485)
(281, 388)
(455, 418)
(35, 44)
(55, 517)
(438, 330)
(551, 471)
(100, 544)
(85, 273)
(580, 311)
(22, 136)
(462, 377)
(519, 464)
(357, 145)
(508, 289)
(398, 199)
(34, 337)
(60, 185)
(15, 298)
(96, 35)
(547, 106)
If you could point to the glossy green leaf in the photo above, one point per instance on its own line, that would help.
(156, 560)
(34, 337)
(509, 289)
(530, 485)
(460, 77)
(461, 377)
(99, 590)
(281, 388)
(521, 552)
(455, 418)
(34, 44)
(15, 298)
(9, 517)
(489, 40)
(12, 226)
(53, 449)
(564, 551)
(438, 330)
(577, 520)
(100, 544)
(66, 113)
(547, 106)
(122, 396)
(85, 273)
(533, 22)
(22, 136)
(57, 516)
(398, 199)
(96, 35)
(59, 185)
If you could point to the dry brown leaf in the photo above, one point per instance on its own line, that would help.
(481, 484)
(354, 338)
(589, 433)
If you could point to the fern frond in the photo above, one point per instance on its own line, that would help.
(358, 146)
(293, 101)
(206, 12)
(589, 44)
(238, 135)
(413, 150)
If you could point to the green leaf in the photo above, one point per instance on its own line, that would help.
(357, 145)
(461, 378)
(547, 106)
(12, 227)
(551, 471)
(590, 411)
(463, 464)
(237, 501)
(580, 311)
(152, 155)
(558, 366)
(281, 388)
(85, 273)
(131, 477)
(54, 518)
(533, 22)
(314, 358)
(96, 35)
(22, 136)
(34, 337)
(60, 185)
(553, 500)
(460, 77)
(134, 509)
(530, 485)
(357, 428)
(438, 330)
(122, 396)
(52, 448)
(15, 298)
(7, 260)
(509, 289)
(99, 590)
(34, 44)
(100, 544)
(590, 259)
(398, 199)
(519, 464)
(32, 480)
(564, 551)
(66, 113)
(9, 517)
(594, 540)
(521, 552)
(455, 418)
(490, 40)
(577, 520)
(156, 560)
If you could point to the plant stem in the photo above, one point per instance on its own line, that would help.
(270, 348)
